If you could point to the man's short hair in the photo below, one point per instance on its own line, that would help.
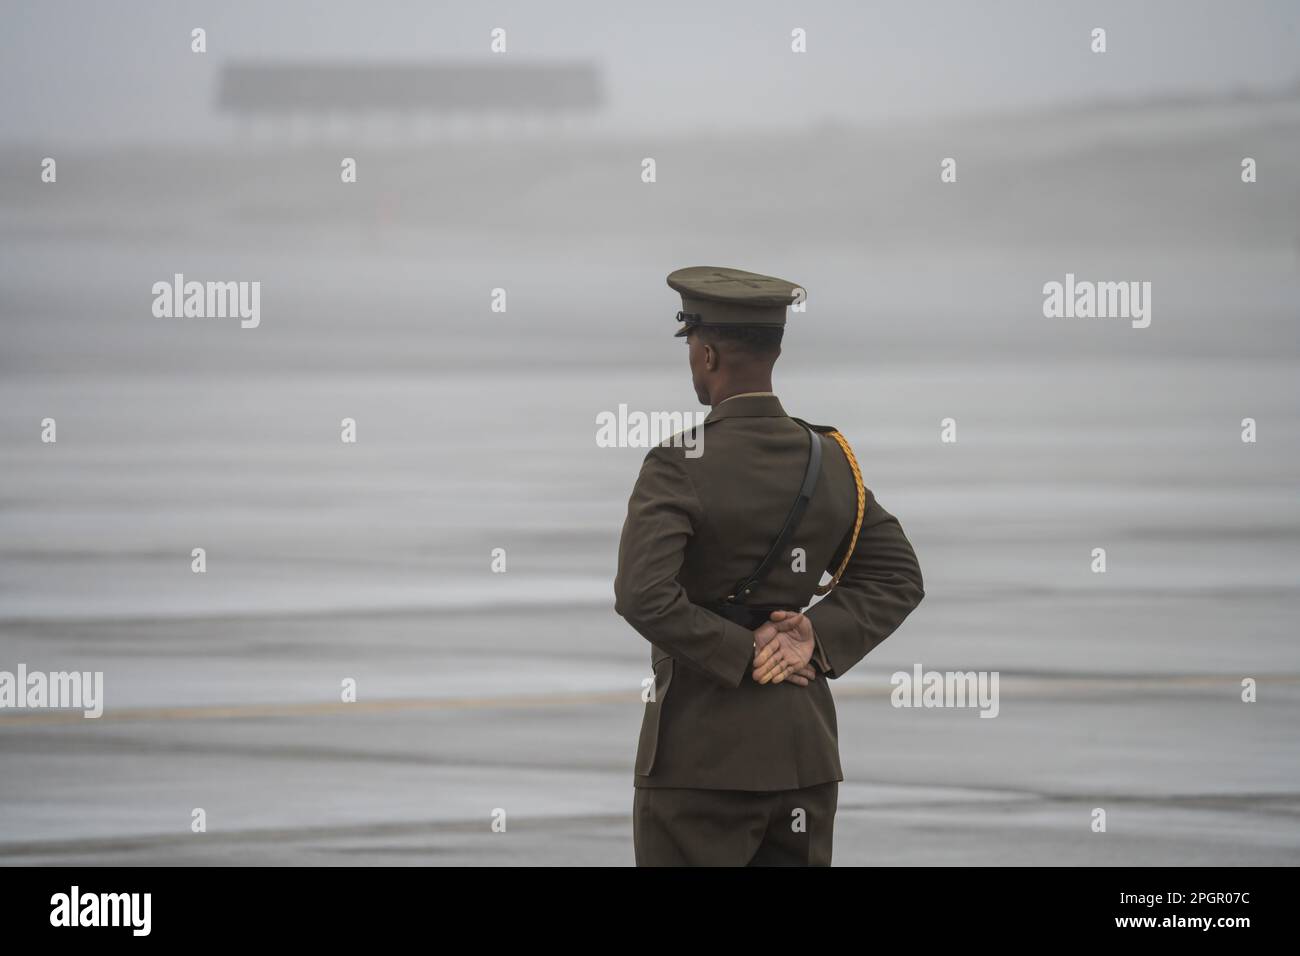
(757, 340)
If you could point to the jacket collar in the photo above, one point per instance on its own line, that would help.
(747, 406)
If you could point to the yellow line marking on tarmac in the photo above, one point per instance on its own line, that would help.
(396, 704)
(318, 708)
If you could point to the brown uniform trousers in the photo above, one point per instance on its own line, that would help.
(672, 827)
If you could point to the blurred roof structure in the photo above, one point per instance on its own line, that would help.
(268, 87)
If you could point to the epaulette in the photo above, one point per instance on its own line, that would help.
(823, 429)
(677, 439)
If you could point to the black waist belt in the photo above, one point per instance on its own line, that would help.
(735, 607)
(749, 616)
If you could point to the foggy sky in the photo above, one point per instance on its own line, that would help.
(86, 72)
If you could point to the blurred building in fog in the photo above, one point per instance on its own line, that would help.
(403, 101)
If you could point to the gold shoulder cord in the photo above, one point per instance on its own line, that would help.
(857, 523)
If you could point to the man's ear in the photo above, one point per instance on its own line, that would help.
(710, 357)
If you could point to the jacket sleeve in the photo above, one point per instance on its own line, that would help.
(880, 587)
(661, 517)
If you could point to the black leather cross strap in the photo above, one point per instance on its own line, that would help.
(747, 586)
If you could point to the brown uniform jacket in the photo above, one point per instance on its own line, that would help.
(696, 526)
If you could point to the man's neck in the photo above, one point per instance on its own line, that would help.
(731, 391)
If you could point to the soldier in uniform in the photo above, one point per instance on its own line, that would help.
(738, 761)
